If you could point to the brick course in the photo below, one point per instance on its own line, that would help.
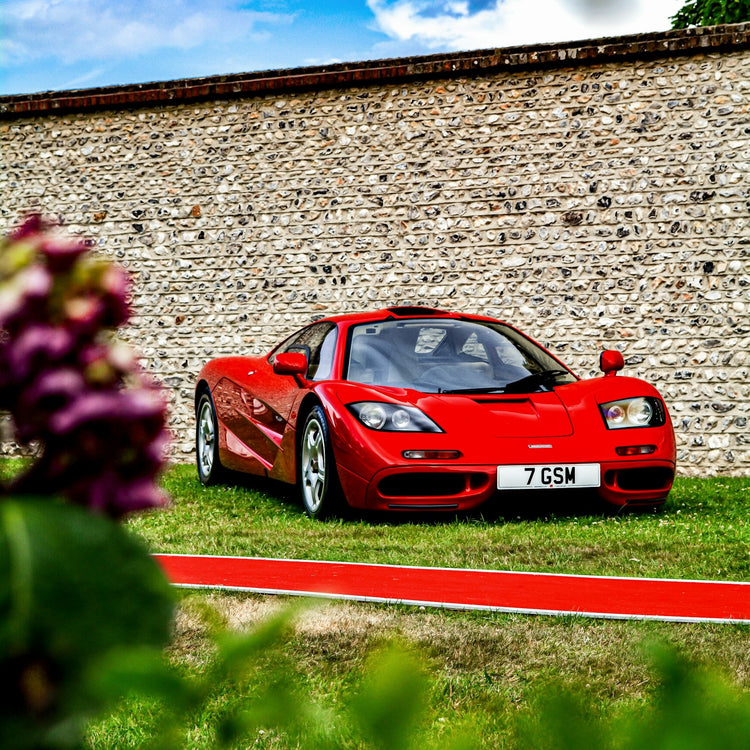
(594, 194)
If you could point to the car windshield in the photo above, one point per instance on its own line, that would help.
(446, 355)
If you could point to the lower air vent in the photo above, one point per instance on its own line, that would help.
(649, 478)
(423, 484)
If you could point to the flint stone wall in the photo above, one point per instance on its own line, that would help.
(594, 194)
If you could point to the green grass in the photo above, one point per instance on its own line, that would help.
(485, 670)
(702, 532)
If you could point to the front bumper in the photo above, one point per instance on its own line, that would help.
(456, 487)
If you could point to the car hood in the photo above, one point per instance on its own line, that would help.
(529, 415)
(522, 415)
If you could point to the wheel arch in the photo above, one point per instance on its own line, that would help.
(308, 402)
(200, 388)
(334, 497)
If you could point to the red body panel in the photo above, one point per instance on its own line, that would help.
(259, 410)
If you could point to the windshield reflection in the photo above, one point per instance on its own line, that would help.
(445, 355)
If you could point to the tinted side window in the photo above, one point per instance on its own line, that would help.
(317, 342)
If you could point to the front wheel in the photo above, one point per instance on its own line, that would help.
(318, 480)
(210, 470)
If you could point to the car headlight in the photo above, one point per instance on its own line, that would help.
(385, 417)
(633, 412)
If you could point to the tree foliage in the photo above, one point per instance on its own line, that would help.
(711, 13)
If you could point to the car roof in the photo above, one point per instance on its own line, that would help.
(403, 312)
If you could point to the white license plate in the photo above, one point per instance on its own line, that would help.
(548, 476)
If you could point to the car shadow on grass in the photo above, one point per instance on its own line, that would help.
(515, 508)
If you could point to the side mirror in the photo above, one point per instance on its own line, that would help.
(290, 363)
(610, 361)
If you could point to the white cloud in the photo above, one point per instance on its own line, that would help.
(318, 61)
(74, 30)
(84, 79)
(451, 25)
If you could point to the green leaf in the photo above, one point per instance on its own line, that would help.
(144, 673)
(238, 651)
(695, 709)
(73, 586)
(563, 720)
(392, 700)
(711, 13)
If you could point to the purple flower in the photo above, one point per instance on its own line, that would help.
(51, 391)
(154, 452)
(61, 253)
(23, 296)
(139, 494)
(104, 365)
(115, 495)
(85, 314)
(37, 347)
(116, 409)
(100, 422)
(33, 224)
(116, 287)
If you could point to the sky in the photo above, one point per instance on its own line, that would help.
(72, 44)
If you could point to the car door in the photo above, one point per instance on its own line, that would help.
(267, 398)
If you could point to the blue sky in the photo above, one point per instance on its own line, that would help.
(70, 44)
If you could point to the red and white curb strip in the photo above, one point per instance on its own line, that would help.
(502, 591)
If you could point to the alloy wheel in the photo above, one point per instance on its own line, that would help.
(313, 466)
(206, 439)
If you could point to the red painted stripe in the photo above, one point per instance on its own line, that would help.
(598, 596)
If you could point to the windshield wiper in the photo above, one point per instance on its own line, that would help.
(494, 389)
(533, 381)
(527, 384)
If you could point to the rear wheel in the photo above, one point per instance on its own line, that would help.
(210, 470)
(318, 480)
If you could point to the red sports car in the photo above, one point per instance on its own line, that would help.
(411, 408)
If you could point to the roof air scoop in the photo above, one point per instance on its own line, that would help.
(406, 312)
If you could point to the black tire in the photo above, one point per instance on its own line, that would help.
(318, 480)
(210, 470)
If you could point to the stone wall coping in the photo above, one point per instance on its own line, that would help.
(377, 72)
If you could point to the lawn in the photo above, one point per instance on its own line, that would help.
(483, 672)
(703, 532)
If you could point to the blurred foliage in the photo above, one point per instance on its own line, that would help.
(387, 710)
(73, 587)
(693, 708)
(711, 13)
